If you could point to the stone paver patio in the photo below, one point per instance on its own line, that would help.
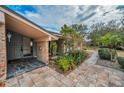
(86, 75)
(93, 57)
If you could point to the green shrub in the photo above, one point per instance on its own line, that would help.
(78, 56)
(71, 60)
(53, 48)
(63, 62)
(121, 61)
(107, 54)
(104, 53)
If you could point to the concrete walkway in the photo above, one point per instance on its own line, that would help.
(86, 75)
(93, 57)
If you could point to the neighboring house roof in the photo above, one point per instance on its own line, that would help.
(11, 13)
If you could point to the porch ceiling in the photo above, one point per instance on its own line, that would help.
(16, 25)
(22, 28)
(19, 24)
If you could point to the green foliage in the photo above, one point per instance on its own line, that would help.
(63, 62)
(110, 39)
(67, 30)
(107, 54)
(104, 53)
(115, 40)
(107, 34)
(121, 61)
(71, 60)
(78, 56)
(53, 48)
(81, 28)
(66, 63)
(72, 37)
(105, 40)
(121, 35)
(95, 38)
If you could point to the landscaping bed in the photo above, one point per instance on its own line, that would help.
(121, 61)
(66, 63)
(110, 58)
(107, 63)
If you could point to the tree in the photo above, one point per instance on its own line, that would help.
(82, 31)
(67, 33)
(81, 28)
(53, 48)
(121, 34)
(101, 29)
(115, 40)
(105, 40)
(111, 40)
(72, 37)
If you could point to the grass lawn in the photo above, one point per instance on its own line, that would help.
(120, 53)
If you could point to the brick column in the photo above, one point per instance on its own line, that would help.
(3, 60)
(43, 51)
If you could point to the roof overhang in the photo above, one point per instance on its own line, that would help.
(19, 24)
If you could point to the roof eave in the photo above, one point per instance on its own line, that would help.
(11, 13)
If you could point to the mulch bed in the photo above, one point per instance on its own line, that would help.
(54, 66)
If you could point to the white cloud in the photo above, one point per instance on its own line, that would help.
(57, 16)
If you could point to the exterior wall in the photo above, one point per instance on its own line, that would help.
(3, 60)
(43, 51)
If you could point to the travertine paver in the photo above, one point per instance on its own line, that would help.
(94, 57)
(86, 75)
(107, 63)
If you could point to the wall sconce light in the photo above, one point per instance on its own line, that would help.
(31, 43)
(40, 48)
(9, 35)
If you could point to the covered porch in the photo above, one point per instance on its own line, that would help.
(21, 43)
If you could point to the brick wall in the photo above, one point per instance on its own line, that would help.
(42, 51)
(3, 60)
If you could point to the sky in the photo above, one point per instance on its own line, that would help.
(53, 17)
